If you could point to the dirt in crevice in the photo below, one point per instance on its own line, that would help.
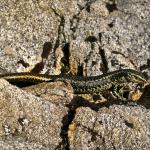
(38, 67)
(111, 6)
(80, 70)
(67, 120)
(104, 65)
(61, 33)
(47, 47)
(65, 60)
(91, 39)
(25, 64)
(64, 130)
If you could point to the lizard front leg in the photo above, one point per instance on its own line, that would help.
(119, 90)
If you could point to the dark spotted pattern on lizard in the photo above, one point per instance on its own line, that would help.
(85, 85)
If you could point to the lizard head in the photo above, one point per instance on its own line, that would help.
(136, 77)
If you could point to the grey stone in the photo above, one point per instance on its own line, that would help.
(26, 26)
(101, 35)
(59, 93)
(118, 40)
(30, 117)
(10, 144)
(116, 127)
(87, 38)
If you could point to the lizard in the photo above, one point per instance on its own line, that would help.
(114, 81)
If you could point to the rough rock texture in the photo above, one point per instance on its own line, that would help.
(29, 117)
(21, 145)
(59, 93)
(116, 127)
(118, 39)
(83, 37)
(29, 32)
(91, 36)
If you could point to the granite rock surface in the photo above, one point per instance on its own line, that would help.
(77, 37)
(116, 127)
(31, 118)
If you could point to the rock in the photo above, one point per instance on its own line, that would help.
(116, 127)
(28, 34)
(10, 144)
(113, 41)
(59, 93)
(109, 34)
(30, 117)
(81, 37)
